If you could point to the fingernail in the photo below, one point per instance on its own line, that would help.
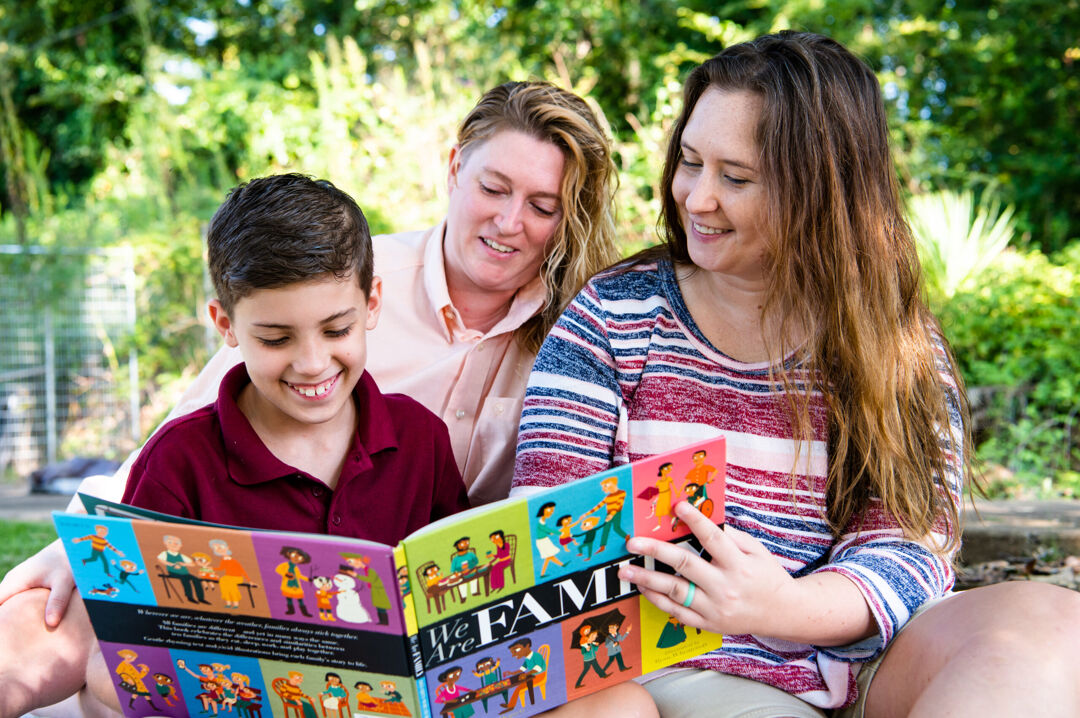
(626, 573)
(633, 545)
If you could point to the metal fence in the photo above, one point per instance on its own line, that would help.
(67, 386)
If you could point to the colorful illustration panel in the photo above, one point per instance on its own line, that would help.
(520, 676)
(665, 641)
(695, 474)
(469, 563)
(297, 689)
(216, 684)
(581, 524)
(146, 680)
(312, 580)
(104, 556)
(602, 647)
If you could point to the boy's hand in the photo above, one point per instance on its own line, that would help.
(48, 568)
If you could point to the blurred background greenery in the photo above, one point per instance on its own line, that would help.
(124, 123)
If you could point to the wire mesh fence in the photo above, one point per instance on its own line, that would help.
(68, 385)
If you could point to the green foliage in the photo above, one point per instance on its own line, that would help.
(1015, 336)
(957, 239)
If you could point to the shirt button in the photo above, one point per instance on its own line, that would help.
(498, 408)
(336, 520)
(460, 413)
(316, 491)
(480, 346)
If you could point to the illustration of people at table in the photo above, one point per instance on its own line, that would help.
(181, 567)
(545, 535)
(489, 671)
(612, 503)
(449, 691)
(500, 560)
(292, 578)
(531, 662)
(462, 561)
(98, 545)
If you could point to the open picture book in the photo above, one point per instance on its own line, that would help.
(510, 608)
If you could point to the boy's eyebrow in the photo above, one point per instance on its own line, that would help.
(332, 318)
(505, 178)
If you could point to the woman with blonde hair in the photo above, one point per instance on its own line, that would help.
(785, 313)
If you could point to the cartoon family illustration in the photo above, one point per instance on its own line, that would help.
(468, 574)
(594, 529)
(608, 630)
(694, 489)
(99, 545)
(354, 594)
(512, 686)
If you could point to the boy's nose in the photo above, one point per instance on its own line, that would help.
(311, 359)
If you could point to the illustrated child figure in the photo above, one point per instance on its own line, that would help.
(403, 581)
(531, 662)
(181, 567)
(163, 684)
(324, 592)
(565, 524)
(390, 692)
(589, 647)
(612, 503)
(549, 552)
(291, 578)
(128, 569)
(432, 575)
(364, 700)
(208, 683)
(661, 504)
(204, 571)
(231, 573)
(245, 694)
(98, 545)
(500, 560)
(613, 642)
(462, 562)
(334, 694)
(449, 691)
(590, 525)
(489, 673)
(131, 677)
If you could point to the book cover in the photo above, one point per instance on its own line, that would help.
(508, 609)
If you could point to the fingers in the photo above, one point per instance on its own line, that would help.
(59, 597)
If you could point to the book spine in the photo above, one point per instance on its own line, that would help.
(412, 637)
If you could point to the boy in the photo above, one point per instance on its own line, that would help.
(300, 437)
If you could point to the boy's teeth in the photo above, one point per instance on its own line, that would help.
(313, 390)
(496, 246)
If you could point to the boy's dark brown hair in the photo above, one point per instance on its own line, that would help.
(283, 229)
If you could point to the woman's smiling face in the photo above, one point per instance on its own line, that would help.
(718, 185)
(504, 209)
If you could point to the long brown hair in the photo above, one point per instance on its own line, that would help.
(584, 242)
(844, 277)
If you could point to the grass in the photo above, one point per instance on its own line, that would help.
(20, 539)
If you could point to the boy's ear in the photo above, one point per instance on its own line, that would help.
(221, 321)
(454, 169)
(374, 303)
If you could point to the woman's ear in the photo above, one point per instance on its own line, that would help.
(454, 168)
(221, 321)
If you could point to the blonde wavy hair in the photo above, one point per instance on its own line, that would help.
(584, 242)
(844, 276)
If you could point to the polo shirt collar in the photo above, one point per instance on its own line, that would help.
(250, 462)
(527, 302)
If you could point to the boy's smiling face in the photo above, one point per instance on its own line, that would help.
(304, 346)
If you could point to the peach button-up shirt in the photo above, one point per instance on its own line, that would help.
(473, 381)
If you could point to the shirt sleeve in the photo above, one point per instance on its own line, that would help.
(570, 415)
(895, 574)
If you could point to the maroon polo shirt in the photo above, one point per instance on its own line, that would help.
(399, 475)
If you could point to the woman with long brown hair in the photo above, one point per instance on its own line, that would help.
(784, 312)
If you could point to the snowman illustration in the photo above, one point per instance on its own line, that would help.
(349, 607)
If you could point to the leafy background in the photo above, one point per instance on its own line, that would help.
(126, 122)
